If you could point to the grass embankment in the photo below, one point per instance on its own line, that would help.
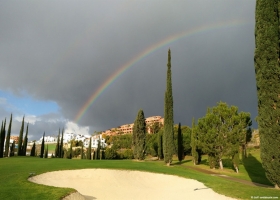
(250, 168)
(15, 171)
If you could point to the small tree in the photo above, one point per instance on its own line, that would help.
(42, 146)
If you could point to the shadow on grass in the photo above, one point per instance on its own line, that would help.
(255, 170)
(182, 162)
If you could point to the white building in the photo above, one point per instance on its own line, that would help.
(94, 141)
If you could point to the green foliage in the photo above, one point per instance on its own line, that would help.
(70, 152)
(2, 138)
(19, 153)
(110, 153)
(46, 152)
(221, 132)
(121, 141)
(42, 146)
(32, 153)
(160, 147)
(139, 136)
(168, 134)
(57, 148)
(267, 71)
(152, 144)
(24, 146)
(180, 149)
(82, 152)
(7, 145)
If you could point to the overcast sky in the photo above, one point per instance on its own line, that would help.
(55, 55)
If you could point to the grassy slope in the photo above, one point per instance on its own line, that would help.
(15, 171)
(250, 168)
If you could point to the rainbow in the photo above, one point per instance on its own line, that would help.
(147, 51)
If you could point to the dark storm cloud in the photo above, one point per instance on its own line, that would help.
(63, 51)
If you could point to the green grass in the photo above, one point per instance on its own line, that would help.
(250, 168)
(14, 173)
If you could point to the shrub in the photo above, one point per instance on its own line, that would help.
(110, 153)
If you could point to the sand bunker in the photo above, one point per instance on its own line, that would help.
(106, 184)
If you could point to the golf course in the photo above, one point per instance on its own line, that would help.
(15, 172)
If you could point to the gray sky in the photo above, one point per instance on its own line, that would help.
(54, 55)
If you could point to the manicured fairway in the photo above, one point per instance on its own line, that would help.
(14, 173)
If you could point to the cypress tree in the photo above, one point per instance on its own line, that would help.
(1, 136)
(160, 148)
(267, 71)
(139, 135)
(180, 144)
(42, 146)
(47, 151)
(70, 151)
(57, 148)
(7, 145)
(25, 142)
(89, 150)
(19, 150)
(61, 145)
(32, 153)
(2, 140)
(82, 152)
(168, 134)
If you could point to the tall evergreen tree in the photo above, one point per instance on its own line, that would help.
(19, 150)
(180, 144)
(139, 135)
(267, 71)
(42, 146)
(160, 148)
(2, 140)
(168, 134)
(61, 145)
(82, 152)
(24, 146)
(57, 148)
(7, 145)
(89, 150)
(32, 153)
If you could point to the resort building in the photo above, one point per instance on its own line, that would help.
(128, 128)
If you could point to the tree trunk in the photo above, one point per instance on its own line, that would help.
(236, 169)
(277, 186)
(221, 164)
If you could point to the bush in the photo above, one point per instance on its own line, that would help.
(126, 154)
(110, 153)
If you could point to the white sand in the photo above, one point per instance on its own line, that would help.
(126, 185)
